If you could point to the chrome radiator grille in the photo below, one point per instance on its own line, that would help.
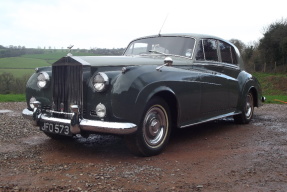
(67, 81)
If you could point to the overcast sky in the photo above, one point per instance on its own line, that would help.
(113, 23)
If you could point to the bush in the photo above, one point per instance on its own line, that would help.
(11, 85)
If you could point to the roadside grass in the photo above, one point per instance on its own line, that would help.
(279, 99)
(274, 87)
(12, 98)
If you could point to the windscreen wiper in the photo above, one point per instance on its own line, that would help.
(158, 52)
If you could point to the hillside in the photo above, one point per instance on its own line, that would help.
(25, 64)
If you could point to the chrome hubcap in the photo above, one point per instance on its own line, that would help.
(155, 125)
(249, 106)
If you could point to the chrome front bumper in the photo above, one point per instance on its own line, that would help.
(82, 124)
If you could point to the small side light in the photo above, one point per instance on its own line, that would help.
(101, 110)
(31, 102)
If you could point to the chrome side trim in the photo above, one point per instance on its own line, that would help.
(108, 127)
(85, 124)
(211, 119)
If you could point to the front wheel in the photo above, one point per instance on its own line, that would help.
(247, 110)
(153, 134)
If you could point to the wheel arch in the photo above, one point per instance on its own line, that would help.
(171, 101)
(168, 96)
(254, 93)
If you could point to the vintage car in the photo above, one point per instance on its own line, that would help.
(160, 83)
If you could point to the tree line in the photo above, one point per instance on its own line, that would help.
(16, 51)
(269, 54)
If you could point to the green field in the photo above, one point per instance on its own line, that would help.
(21, 62)
(25, 65)
(21, 66)
(50, 58)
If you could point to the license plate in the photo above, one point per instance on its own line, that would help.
(56, 128)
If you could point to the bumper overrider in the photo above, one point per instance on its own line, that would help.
(76, 124)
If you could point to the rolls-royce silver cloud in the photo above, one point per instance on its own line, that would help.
(160, 83)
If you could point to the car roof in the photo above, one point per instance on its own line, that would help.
(194, 35)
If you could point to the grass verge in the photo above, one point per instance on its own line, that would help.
(278, 99)
(12, 98)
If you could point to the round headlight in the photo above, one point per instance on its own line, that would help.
(101, 110)
(43, 79)
(100, 82)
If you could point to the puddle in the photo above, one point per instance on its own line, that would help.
(2, 111)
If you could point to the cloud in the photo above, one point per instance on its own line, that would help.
(113, 23)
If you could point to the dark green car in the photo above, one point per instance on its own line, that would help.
(160, 83)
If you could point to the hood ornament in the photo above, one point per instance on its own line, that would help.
(70, 50)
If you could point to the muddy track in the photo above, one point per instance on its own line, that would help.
(216, 156)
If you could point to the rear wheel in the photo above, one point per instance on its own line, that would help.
(153, 134)
(247, 110)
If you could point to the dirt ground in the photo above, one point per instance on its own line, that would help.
(216, 156)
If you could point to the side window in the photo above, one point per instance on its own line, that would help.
(210, 49)
(199, 53)
(137, 48)
(225, 51)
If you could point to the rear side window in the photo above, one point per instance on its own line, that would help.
(227, 53)
(210, 49)
(207, 50)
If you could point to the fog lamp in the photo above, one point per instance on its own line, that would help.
(101, 110)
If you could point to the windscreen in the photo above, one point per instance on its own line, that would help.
(182, 46)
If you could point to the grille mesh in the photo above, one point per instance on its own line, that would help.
(67, 81)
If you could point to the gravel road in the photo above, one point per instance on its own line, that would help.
(216, 156)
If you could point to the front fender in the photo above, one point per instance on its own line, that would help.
(126, 90)
(132, 90)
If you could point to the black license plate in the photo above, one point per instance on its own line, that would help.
(56, 128)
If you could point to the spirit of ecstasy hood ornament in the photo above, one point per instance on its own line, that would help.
(70, 49)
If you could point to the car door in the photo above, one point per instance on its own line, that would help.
(214, 84)
(231, 70)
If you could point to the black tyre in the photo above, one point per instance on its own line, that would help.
(247, 110)
(153, 134)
